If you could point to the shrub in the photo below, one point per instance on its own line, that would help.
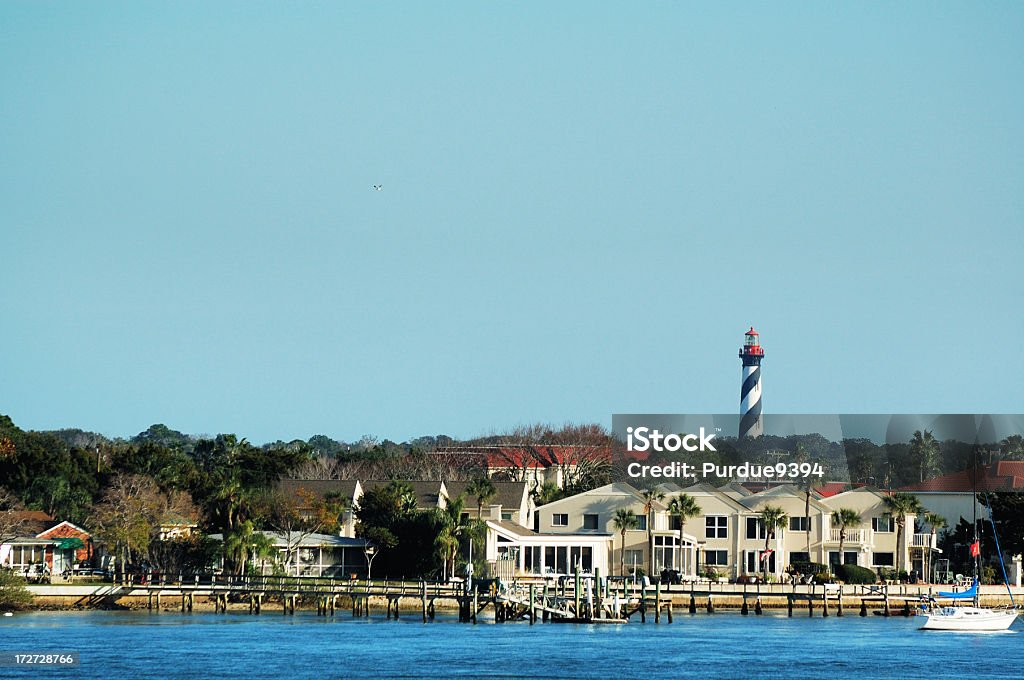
(886, 574)
(710, 573)
(851, 573)
(807, 568)
(804, 571)
(13, 593)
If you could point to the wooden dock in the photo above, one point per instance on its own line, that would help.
(575, 599)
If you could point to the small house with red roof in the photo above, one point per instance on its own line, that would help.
(44, 544)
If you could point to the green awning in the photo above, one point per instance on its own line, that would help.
(72, 543)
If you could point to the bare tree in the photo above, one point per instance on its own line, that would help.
(318, 467)
(301, 514)
(128, 515)
(12, 522)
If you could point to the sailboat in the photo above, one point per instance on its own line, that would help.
(968, 618)
(972, 617)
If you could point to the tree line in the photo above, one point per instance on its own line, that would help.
(124, 490)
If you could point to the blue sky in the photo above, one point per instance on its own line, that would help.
(584, 207)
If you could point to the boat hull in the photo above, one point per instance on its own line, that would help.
(969, 619)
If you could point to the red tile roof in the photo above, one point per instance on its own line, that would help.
(830, 489)
(527, 456)
(1006, 475)
(34, 522)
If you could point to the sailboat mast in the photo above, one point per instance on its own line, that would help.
(977, 534)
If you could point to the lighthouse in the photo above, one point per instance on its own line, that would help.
(751, 424)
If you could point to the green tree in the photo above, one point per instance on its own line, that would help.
(483, 489)
(1012, 448)
(387, 516)
(547, 492)
(623, 520)
(242, 544)
(684, 506)
(845, 518)
(1007, 511)
(773, 518)
(454, 526)
(650, 497)
(924, 448)
(13, 593)
(901, 504)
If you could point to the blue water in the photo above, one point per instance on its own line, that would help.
(236, 645)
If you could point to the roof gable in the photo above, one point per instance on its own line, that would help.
(614, 489)
(63, 530)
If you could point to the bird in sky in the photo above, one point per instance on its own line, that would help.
(378, 187)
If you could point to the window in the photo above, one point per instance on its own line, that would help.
(590, 522)
(665, 549)
(641, 523)
(634, 557)
(674, 523)
(795, 557)
(507, 515)
(849, 557)
(556, 559)
(531, 559)
(716, 526)
(755, 564)
(582, 557)
(799, 523)
(883, 524)
(755, 528)
(882, 559)
(716, 558)
(559, 519)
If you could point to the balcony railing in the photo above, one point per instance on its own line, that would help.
(852, 536)
(923, 541)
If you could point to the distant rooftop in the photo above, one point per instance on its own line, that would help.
(1006, 475)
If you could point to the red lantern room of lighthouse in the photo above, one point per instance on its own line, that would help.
(751, 349)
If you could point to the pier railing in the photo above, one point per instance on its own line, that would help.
(298, 585)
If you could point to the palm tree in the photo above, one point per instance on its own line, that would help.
(936, 522)
(650, 497)
(925, 449)
(683, 506)
(484, 490)
(240, 543)
(901, 504)
(546, 493)
(453, 527)
(773, 518)
(845, 518)
(623, 520)
(404, 495)
(805, 484)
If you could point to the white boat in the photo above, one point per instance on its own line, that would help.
(972, 617)
(978, 619)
